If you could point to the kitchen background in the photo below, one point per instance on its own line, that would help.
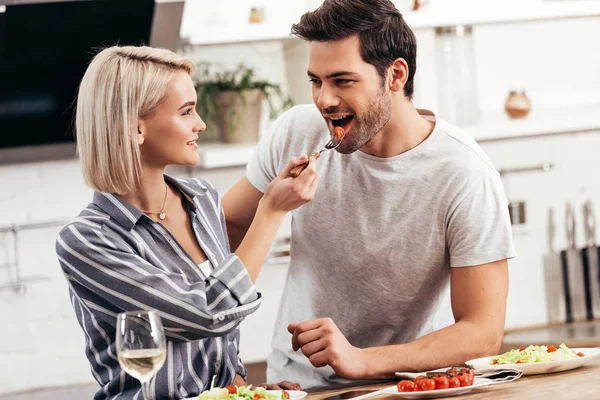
(548, 48)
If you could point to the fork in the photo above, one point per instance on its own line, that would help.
(332, 144)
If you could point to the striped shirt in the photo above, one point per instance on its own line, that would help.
(117, 259)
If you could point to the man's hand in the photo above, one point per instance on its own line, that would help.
(323, 344)
(283, 385)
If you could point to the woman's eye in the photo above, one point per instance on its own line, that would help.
(188, 111)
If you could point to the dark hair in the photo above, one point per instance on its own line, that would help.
(384, 35)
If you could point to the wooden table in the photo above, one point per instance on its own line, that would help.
(577, 384)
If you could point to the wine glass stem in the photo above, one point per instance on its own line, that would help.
(146, 390)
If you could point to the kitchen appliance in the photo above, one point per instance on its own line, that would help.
(45, 48)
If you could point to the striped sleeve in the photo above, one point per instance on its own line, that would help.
(100, 260)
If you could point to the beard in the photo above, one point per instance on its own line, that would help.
(366, 127)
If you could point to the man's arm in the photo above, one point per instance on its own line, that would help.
(479, 306)
(239, 205)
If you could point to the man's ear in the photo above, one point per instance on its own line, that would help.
(398, 75)
(141, 131)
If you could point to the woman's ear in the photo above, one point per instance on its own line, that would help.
(399, 75)
(141, 132)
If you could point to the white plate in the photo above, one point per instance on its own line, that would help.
(541, 367)
(434, 394)
(294, 394)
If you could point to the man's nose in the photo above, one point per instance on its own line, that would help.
(327, 97)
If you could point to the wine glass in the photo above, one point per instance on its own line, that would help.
(141, 345)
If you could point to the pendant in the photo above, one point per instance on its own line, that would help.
(162, 215)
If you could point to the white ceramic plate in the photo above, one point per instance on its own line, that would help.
(434, 394)
(541, 367)
(294, 394)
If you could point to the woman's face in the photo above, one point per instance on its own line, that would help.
(169, 135)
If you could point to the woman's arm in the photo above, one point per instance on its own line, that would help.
(96, 259)
(282, 195)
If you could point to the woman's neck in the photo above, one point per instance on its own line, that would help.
(150, 196)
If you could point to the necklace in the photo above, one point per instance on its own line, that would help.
(161, 213)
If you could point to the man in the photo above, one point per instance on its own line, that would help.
(408, 205)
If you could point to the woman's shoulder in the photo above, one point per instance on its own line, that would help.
(90, 220)
(196, 186)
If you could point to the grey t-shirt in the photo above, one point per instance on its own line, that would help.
(373, 250)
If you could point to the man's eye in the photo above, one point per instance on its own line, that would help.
(343, 81)
(315, 81)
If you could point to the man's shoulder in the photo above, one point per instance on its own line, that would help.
(463, 151)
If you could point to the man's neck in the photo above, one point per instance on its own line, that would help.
(405, 130)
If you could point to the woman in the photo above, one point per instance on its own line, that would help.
(150, 241)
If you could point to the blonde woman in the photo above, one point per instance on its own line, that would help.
(150, 241)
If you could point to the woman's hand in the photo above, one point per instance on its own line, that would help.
(285, 193)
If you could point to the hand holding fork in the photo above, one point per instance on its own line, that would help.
(335, 141)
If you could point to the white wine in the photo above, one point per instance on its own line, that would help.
(142, 364)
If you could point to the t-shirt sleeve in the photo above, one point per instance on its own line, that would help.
(265, 164)
(479, 229)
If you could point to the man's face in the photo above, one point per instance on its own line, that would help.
(348, 91)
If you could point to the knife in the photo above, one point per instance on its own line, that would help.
(589, 224)
(555, 302)
(570, 230)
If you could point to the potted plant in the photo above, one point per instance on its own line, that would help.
(233, 99)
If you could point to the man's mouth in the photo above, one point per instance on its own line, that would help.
(342, 120)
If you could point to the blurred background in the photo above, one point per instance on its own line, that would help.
(522, 77)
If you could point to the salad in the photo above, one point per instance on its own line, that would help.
(242, 393)
(533, 354)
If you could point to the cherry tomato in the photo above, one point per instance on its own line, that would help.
(428, 384)
(454, 382)
(418, 380)
(494, 361)
(464, 380)
(232, 389)
(471, 380)
(551, 349)
(580, 354)
(442, 382)
(406, 386)
(522, 348)
(519, 362)
(257, 397)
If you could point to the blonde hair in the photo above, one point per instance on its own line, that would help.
(121, 84)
